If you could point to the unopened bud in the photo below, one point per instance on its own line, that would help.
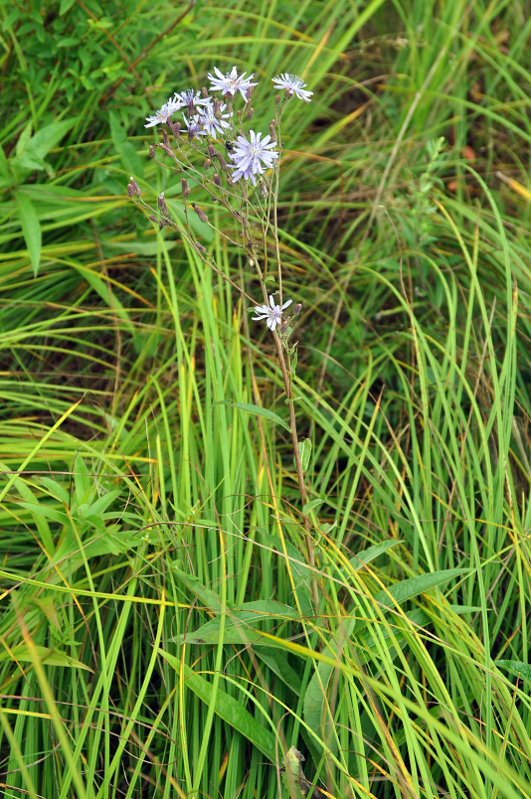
(249, 93)
(222, 162)
(201, 214)
(204, 92)
(217, 108)
(134, 185)
(207, 164)
(272, 131)
(217, 180)
(161, 203)
(151, 151)
(166, 137)
(297, 309)
(250, 112)
(175, 128)
(212, 151)
(186, 190)
(166, 149)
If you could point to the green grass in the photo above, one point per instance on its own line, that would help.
(159, 635)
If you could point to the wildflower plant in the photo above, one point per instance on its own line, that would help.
(210, 141)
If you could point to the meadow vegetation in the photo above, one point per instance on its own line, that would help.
(174, 617)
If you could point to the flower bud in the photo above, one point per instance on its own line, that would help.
(161, 203)
(151, 151)
(135, 186)
(185, 189)
(175, 128)
(207, 164)
(272, 131)
(250, 112)
(212, 151)
(297, 309)
(217, 180)
(201, 214)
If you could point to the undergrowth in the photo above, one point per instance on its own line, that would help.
(160, 635)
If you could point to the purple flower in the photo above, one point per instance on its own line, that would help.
(273, 314)
(231, 82)
(194, 126)
(213, 121)
(293, 85)
(190, 97)
(164, 113)
(252, 157)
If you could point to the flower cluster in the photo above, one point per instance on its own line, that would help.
(250, 155)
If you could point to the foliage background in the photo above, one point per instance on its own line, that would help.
(158, 635)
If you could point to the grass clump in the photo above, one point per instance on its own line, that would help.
(227, 548)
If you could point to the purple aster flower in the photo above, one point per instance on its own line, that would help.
(293, 85)
(252, 157)
(273, 314)
(163, 114)
(214, 121)
(231, 82)
(190, 97)
(194, 126)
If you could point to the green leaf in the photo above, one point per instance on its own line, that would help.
(127, 151)
(305, 450)
(31, 150)
(239, 624)
(515, 667)
(31, 229)
(23, 139)
(48, 657)
(278, 662)
(48, 137)
(258, 411)
(65, 6)
(227, 708)
(208, 597)
(84, 483)
(131, 160)
(371, 553)
(413, 586)
(4, 165)
(100, 505)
